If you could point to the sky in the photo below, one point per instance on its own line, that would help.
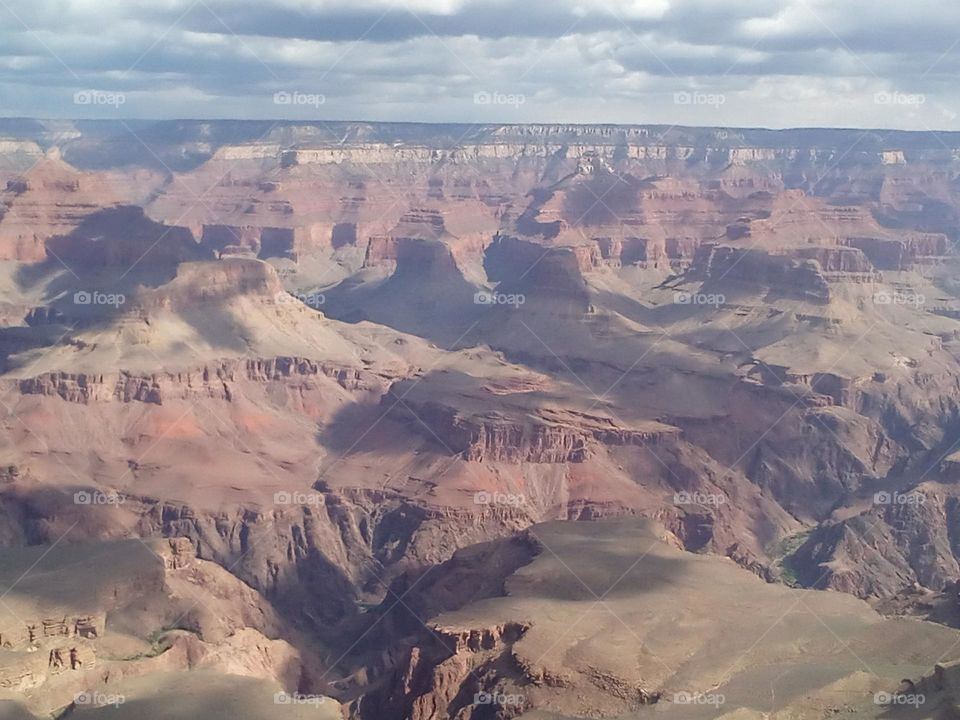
(750, 63)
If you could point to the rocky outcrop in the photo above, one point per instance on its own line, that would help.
(829, 389)
(606, 252)
(316, 561)
(900, 253)
(50, 199)
(552, 436)
(447, 681)
(251, 151)
(476, 640)
(256, 241)
(759, 269)
(211, 381)
(213, 282)
(414, 243)
(154, 598)
(626, 144)
(124, 237)
(284, 242)
(507, 257)
(681, 248)
(50, 634)
(906, 539)
(836, 259)
(34, 631)
(231, 239)
(588, 257)
(410, 256)
(643, 251)
(176, 553)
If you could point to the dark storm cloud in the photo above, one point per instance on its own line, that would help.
(773, 61)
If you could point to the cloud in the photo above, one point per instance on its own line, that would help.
(774, 62)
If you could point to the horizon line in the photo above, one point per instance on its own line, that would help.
(465, 123)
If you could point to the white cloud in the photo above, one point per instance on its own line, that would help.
(777, 62)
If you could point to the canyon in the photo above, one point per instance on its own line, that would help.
(395, 420)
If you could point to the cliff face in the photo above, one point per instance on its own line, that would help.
(838, 259)
(185, 143)
(265, 241)
(50, 199)
(204, 382)
(900, 254)
(231, 239)
(630, 148)
(123, 237)
(906, 539)
(446, 684)
(422, 259)
(802, 280)
(552, 437)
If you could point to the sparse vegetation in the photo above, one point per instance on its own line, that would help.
(781, 552)
(157, 646)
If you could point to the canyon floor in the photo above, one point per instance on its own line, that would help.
(407, 421)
